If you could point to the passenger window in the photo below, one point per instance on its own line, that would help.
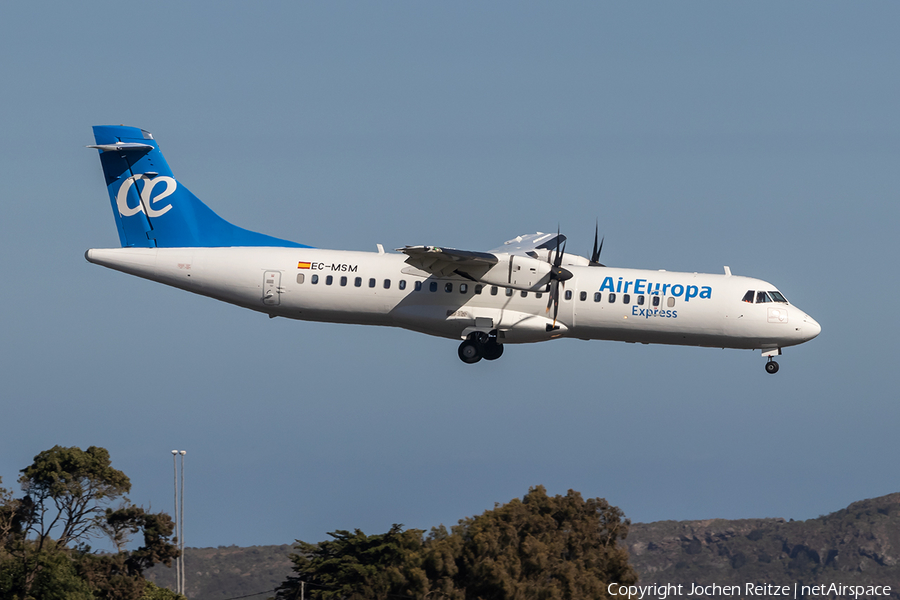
(538, 294)
(358, 281)
(343, 280)
(598, 296)
(493, 290)
(448, 287)
(463, 288)
(582, 296)
(314, 279)
(418, 286)
(299, 277)
(612, 298)
(777, 297)
(640, 300)
(626, 298)
(655, 301)
(433, 286)
(670, 301)
(402, 284)
(748, 297)
(329, 280)
(371, 282)
(762, 297)
(478, 289)
(387, 284)
(509, 291)
(568, 294)
(523, 293)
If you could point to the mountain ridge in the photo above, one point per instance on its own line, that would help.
(856, 545)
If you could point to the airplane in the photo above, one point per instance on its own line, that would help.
(527, 290)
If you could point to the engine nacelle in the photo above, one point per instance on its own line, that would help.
(519, 272)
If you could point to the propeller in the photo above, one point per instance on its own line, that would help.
(558, 275)
(595, 255)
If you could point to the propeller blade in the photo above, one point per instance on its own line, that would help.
(556, 259)
(595, 255)
(555, 303)
(552, 287)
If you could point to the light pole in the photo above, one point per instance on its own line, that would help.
(181, 520)
(177, 535)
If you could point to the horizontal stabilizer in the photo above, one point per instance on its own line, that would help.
(122, 147)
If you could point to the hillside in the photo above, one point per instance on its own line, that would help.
(226, 572)
(859, 545)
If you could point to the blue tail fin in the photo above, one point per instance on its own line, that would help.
(154, 210)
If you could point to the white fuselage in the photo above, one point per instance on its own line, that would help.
(661, 307)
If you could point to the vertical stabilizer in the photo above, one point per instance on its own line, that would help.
(152, 208)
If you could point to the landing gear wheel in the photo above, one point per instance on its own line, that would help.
(470, 352)
(492, 350)
(771, 367)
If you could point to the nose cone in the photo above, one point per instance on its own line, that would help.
(810, 328)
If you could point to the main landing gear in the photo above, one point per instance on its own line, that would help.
(771, 366)
(479, 345)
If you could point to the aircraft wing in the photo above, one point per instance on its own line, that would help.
(525, 250)
(529, 245)
(444, 262)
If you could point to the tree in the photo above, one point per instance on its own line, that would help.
(10, 517)
(154, 592)
(354, 566)
(542, 547)
(560, 547)
(43, 536)
(120, 575)
(69, 489)
(53, 576)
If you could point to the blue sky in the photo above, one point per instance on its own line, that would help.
(762, 136)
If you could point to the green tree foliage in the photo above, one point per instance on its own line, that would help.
(43, 535)
(10, 519)
(154, 592)
(53, 576)
(540, 547)
(355, 566)
(69, 489)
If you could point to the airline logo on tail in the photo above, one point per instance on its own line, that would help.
(146, 195)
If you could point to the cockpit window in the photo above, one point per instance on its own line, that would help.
(777, 296)
(748, 297)
(762, 297)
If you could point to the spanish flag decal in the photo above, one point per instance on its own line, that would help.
(302, 265)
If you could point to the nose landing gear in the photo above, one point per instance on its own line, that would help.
(771, 365)
(479, 345)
